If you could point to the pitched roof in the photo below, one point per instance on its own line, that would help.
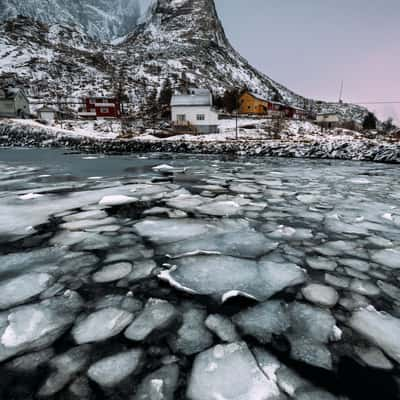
(46, 109)
(203, 98)
(262, 98)
(12, 92)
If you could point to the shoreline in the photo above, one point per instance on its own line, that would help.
(23, 135)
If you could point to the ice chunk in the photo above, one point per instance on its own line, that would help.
(220, 208)
(23, 288)
(223, 277)
(339, 281)
(156, 316)
(41, 260)
(359, 265)
(126, 303)
(244, 188)
(117, 200)
(309, 351)
(222, 327)
(312, 322)
(163, 231)
(289, 233)
(28, 363)
(66, 366)
(365, 288)
(84, 215)
(80, 389)
(289, 381)
(186, 202)
(36, 326)
(87, 224)
(110, 371)
(336, 248)
(264, 320)
(390, 290)
(163, 168)
(389, 258)
(310, 393)
(321, 295)
(321, 263)
(113, 272)
(245, 244)
(267, 362)
(30, 196)
(192, 337)
(229, 372)
(373, 357)
(101, 325)
(380, 329)
(159, 385)
(142, 270)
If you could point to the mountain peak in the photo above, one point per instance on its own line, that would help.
(101, 19)
(182, 22)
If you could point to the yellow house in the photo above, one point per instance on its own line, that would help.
(251, 103)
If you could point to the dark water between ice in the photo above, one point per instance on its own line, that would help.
(299, 259)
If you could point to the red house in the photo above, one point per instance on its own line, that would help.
(102, 107)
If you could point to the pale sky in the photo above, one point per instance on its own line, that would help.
(311, 45)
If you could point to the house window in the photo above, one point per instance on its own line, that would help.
(181, 117)
(201, 117)
(104, 110)
(92, 101)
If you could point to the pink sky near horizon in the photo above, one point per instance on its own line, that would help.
(310, 46)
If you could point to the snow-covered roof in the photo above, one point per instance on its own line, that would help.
(328, 113)
(262, 98)
(202, 98)
(258, 96)
(46, 109)
(11, 92)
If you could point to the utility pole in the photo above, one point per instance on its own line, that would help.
(341, 93)
(237, 112)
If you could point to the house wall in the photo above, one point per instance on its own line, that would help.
(252, 105)
(22, 105)
(191, 112)
(47, 115)
(7, 108)
(104, 108)
(327, 118)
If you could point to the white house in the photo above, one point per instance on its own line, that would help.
(47, 113)
(328, 119)
(195, 109)
(13, 103)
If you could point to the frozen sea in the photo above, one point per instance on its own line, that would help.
(163, 277)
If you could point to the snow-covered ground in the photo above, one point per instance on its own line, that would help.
(249, 129)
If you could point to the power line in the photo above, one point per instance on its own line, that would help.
(376, 102)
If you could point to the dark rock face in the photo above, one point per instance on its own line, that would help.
(100, 19)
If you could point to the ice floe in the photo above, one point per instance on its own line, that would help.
(213, 372)
(101, 325)
(112, 370)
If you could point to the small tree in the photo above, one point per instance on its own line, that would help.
(369, 121)
(388, 126)
(164, 98)
(218, 101)
(230, 100)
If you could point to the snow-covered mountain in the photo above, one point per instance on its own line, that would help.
(177, 39)
(100, 19)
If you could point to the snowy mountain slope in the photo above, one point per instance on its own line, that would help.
(54, 62)
(100, 19)
(187, 36)
(182, 40)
